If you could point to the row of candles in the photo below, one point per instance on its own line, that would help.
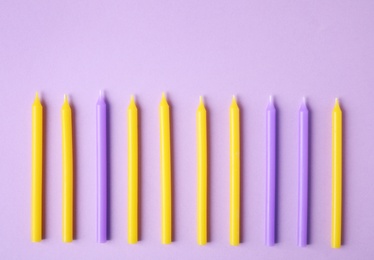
(166, 172)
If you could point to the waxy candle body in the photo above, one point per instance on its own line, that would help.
(67, 172)
(101, 154)
(202, 173)
(302, 239)
(132, 138)
(337, 146)
(37, 171)
(271, 149)
(166, 199)
(234, 173)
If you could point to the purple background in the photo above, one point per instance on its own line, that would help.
(320, 49)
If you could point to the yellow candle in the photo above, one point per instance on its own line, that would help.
(37, 171)
(336, 227)
(202, 172)
(67, 172)
(165, 170)
(234, 173)
(132, 117)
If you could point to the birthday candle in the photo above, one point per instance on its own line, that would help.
(303, 174)
(166, 199)
(132, 137)
(337, 132)
(37, 171)
(234, 173)
(271, 135)
(202, 172)
(67, 172)
(101, 153)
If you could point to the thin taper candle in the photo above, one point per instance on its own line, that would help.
(234, 173)
(166, 198)
(302, 239)
(271, 153)
(101, 161)
(132, 137)
(67, 172)
(337, 148)
(202, 173)
(37, 171)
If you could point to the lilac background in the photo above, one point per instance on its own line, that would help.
(321, 49)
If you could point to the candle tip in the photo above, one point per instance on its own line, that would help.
(132, 98)
(271, 99)
(65, 98)
(101, 93)
(234, 97)
(201, 99)
(336, 100)
(304, 100)
(37, 95)
(163, 95)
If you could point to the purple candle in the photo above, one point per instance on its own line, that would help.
(101, 151)
(302, 239)
(271, 164)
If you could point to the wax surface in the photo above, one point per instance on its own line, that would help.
(165, 156)
(37, 171)
(271, 171)
(132, 139)
(102, 167)
(202, 173)
(337, 146)
(234, 173)
(302, 234)
(67, 173)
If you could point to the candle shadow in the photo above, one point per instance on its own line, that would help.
(277, 186)
(173, 182)
(109, 175)
(310, 179)
(75, 179)
(44, 175)
(140, 175)
(242, 237)
(208, 215)
(344, 176)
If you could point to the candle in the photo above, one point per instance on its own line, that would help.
(101, 153)
(166, 199)
(132, 137)
(67, 172)
(37, 171)
(303, 174)
(234, 173)
(336, 176)
(202, 172)
(271, 149)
